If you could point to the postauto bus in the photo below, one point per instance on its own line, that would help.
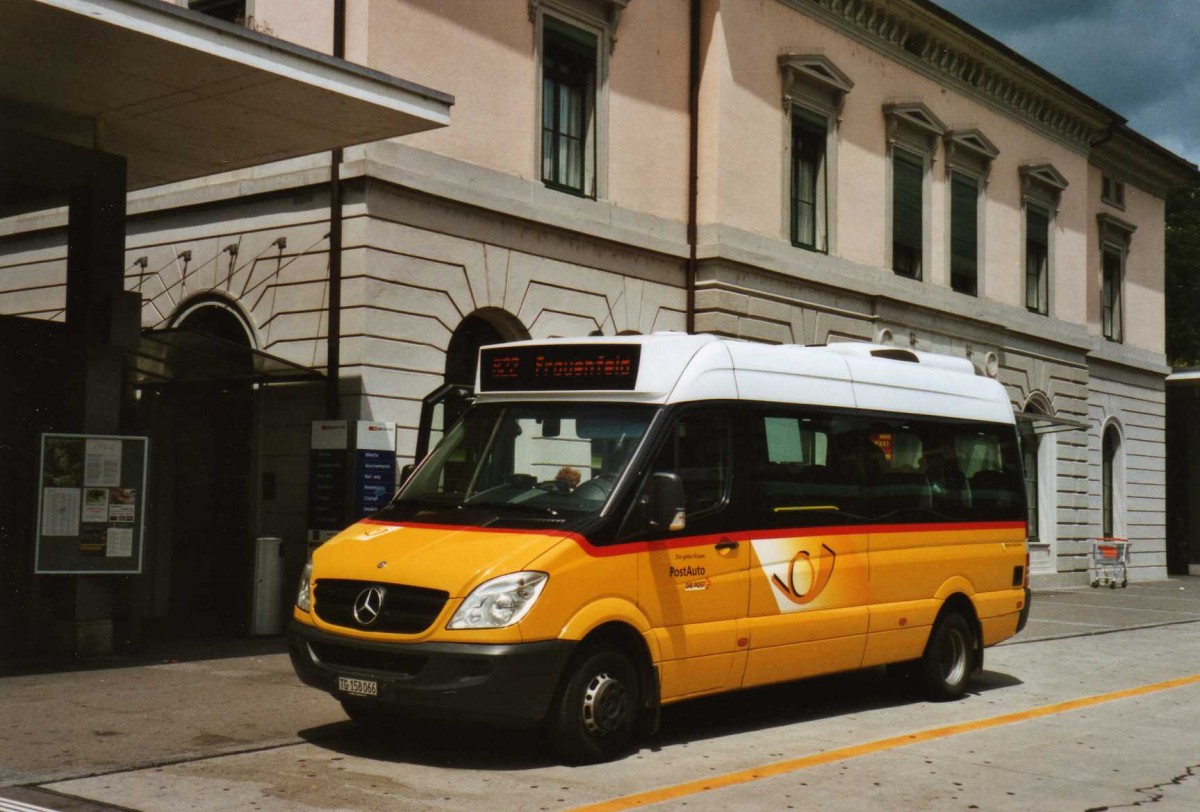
(616, 524)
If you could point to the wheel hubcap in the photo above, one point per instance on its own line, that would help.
(604, 705)
(954, 658)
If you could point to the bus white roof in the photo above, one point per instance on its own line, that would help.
(681, 368)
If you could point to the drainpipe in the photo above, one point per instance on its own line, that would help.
(333, 340)
(693, 161)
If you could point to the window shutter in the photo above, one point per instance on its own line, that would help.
(906, 203)
(964, 203)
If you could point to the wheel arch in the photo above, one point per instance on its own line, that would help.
(623, 636)
(959, 602)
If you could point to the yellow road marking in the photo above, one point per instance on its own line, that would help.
(855, 751)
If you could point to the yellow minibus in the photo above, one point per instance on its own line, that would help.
(616, 524)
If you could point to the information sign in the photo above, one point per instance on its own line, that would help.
(91, 504)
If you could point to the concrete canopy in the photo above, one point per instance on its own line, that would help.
(181, 95)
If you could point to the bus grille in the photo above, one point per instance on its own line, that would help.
(404, 609)
(393, 663)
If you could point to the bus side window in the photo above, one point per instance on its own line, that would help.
(698, 451)
(988, 462)
(804, 471)
(697, 448)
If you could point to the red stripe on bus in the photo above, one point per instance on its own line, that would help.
(630, 547)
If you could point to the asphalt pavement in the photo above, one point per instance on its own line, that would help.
(190, 700)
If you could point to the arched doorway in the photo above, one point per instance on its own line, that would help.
(483, 327)
(201, 425)
(490, 325)
(443, 406)
(1039, 460)
(1112, 491)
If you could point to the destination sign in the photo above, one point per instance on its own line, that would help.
(561, 367)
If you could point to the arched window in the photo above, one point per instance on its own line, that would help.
(1109, 480)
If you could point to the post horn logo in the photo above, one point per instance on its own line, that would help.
(368, 605)
(814, 573)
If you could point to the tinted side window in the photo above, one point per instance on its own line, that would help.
(989, 460)
(920, 470)
(804, 470)
(698, 448)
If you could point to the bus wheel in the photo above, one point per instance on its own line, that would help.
(945, 668)
(597, 709)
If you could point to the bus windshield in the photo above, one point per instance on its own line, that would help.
(556, 459)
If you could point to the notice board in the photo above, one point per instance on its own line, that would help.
(91, 515)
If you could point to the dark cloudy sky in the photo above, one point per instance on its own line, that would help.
(1141, 58)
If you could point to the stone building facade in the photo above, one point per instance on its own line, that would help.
(780, 170)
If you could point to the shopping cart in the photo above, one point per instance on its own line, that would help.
(1110, 557)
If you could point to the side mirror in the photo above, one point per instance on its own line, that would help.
(665, 502)
(406, 472)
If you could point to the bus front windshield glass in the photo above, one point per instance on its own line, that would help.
(558, 459)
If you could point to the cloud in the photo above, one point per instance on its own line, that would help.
(1138, 58)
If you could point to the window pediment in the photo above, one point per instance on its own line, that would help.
(604, 14)
(814, 77)
(969, 149)
(913, 122)
(1114, 229)
(973, 142)
(1042, 183)
(1044, 175)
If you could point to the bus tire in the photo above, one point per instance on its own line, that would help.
(596, 713)
(945, 668)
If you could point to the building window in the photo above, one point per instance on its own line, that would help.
(964, 233)
(233, 11)
(1042, 187)
(568, 108)
(814, 92)
(1108, 483)
(1029, 451)
(908, 207)
(1112, 271)
(1112, 191)
(1037, 259)
(913, 134)
(808, 182)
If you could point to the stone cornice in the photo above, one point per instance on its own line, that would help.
(913, 35)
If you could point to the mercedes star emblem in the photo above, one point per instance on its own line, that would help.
(367, 605)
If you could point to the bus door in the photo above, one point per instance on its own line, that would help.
(809, 585)
(692, 581)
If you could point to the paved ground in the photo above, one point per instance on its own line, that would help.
(239, 732)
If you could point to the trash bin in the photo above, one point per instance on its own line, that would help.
(266, 616)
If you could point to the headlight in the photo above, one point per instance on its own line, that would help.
(499, 602)
(304, 595)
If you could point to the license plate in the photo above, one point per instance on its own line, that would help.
(358, 687)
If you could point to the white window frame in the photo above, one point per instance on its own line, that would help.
(914, 129)
(1041, 187)
(816, 89)
(968, 153)
(1116, 236)
(599, 18)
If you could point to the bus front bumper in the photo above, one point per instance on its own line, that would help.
(507, 685)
